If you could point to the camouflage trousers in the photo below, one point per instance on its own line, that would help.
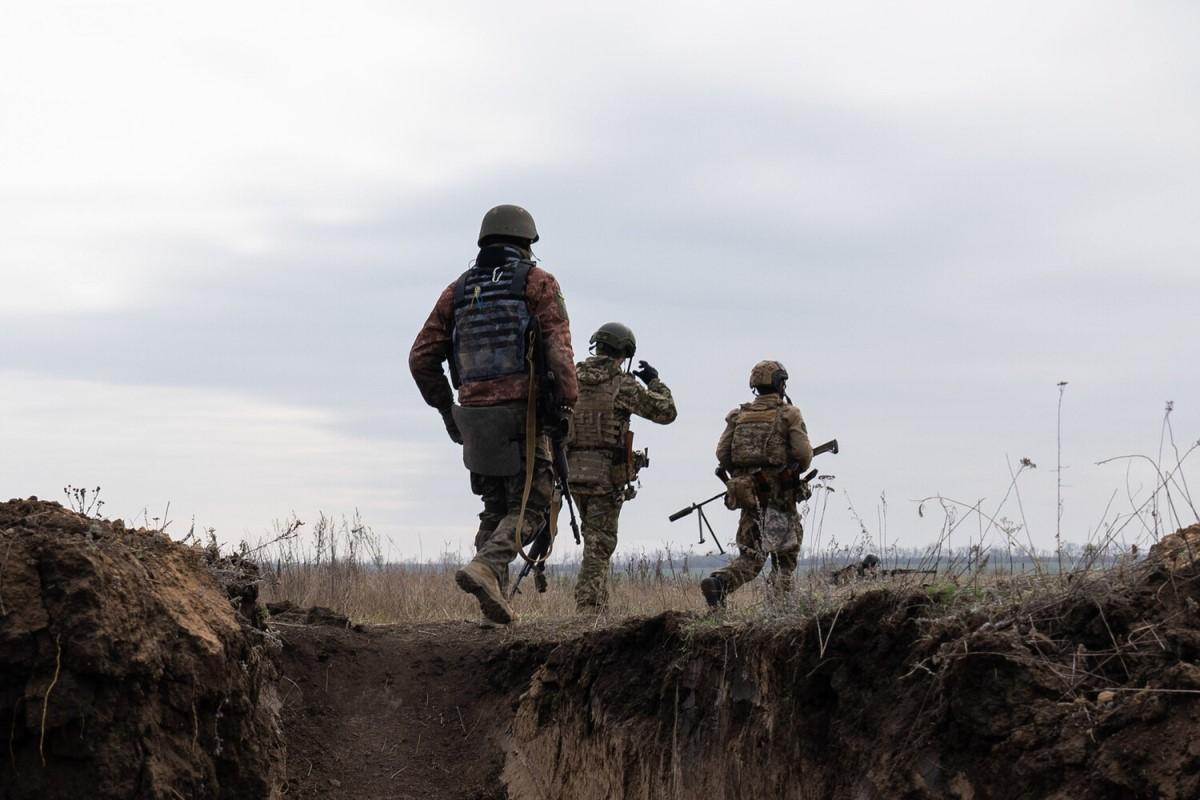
(752, 556)
(496, 540)
(600, 513)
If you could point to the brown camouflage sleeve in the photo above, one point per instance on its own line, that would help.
(725, 443)
(433, 345)
(799, 447)
(547, 304)
(653, 402)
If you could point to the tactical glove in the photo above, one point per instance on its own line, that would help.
(451, 425)
(646, 372)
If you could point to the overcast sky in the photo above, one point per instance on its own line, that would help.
(222, 224)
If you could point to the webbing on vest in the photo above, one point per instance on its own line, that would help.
(595, 425)
(491, 318)
(758, 438)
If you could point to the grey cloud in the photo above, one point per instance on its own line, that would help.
(947, 300)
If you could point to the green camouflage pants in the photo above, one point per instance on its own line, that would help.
(496, 540)
(751, 557)
(599, 513)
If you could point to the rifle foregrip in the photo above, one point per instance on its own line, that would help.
(681, 513)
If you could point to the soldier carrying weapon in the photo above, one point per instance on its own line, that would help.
(762, 454)
(495, 324)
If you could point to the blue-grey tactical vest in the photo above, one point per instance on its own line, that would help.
(491, 319)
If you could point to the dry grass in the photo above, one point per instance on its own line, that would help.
(341, 566)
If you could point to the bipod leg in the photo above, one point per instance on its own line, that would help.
(704, 522)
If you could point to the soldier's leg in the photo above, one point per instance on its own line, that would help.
(499, 548)
(750, 558)
(600, 515)
(783, 568)
(495, 505)
(783, 563)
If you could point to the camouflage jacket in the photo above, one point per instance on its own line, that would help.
(795, 433)
(653, 402)
(434, 345)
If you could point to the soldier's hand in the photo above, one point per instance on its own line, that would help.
(451, 425)
(646, 372)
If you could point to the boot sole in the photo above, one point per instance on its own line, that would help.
(492, 609)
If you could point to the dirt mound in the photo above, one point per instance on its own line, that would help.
(126, 671)
(1089, 691)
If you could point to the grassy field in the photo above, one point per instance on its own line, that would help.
(339, 565)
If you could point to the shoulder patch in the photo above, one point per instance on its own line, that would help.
(562, 304)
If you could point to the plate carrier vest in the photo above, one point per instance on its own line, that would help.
(595, 424)
(758, 440)
(491, 318)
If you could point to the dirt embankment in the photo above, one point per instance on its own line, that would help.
(125, 670)
(1094, 693)
(131, 666)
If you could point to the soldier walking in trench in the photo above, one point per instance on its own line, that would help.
(487, 324)
(602, 461)
(762, 450)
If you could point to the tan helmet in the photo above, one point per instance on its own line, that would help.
(508, 220)
(617, 336)
(768, 373)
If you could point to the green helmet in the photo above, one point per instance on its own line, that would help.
(508, 220)
(617, 336)
(768, 373)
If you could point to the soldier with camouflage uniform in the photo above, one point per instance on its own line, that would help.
(485, 324)
(600, 455)
(763, 448)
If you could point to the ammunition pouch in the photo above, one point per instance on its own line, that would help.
(590, 468)
(741, 492)
(492, 437)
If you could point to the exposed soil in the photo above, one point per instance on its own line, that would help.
(155, 682)
(1092, 693)
(399, 712)
(126, 669)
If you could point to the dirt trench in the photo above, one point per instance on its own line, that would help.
(136, 667)
(402, 712)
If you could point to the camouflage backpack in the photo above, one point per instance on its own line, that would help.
(758, 438)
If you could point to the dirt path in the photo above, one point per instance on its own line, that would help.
(398, 711)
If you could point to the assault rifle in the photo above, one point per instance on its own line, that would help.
(537, 554)
(790, 473)
(555, 417)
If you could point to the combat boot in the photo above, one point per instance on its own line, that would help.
(477, 579)
(715, 591)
